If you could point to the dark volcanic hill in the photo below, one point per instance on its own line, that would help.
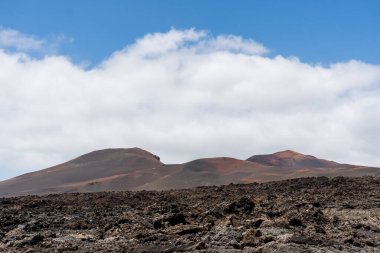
(137, 169)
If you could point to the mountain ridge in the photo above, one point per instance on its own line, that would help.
(137, 169)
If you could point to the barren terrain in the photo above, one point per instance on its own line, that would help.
(137, 169)
(298, 215)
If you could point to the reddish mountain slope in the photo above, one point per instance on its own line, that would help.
(207, 171)
(100, 169)
(137, 169)
(291, 159)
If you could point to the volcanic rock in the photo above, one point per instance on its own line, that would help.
(312, 216)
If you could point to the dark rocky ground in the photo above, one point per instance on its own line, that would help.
(299, 215)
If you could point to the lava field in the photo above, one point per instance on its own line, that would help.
(317, 214)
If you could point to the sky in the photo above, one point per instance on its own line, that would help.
(188, 79)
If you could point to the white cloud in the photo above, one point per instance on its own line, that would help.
(235, 44)
(182, 95)
(14, 40)
(10, 38)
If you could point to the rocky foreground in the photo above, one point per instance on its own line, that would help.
(298, 215)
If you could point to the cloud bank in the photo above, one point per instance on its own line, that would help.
(185, 94)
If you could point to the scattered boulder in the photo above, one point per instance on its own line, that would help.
(170, 220)
(296, 222)
(243, 205)
(36, 239)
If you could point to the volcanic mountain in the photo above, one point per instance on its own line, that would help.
(137, 169)
(291, 159)
(109, 169)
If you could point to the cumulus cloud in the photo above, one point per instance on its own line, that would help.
(185, 94)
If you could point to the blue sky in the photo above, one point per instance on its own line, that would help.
(188, 79)
(315, 31)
